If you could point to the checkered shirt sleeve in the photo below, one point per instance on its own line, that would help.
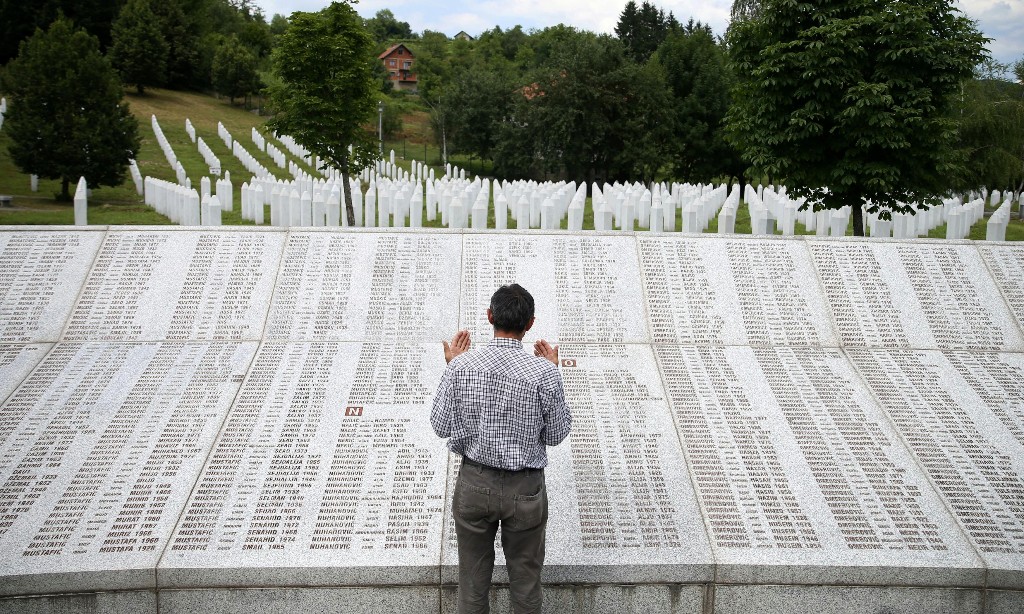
(501, 407)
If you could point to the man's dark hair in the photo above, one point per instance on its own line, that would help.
(511, 308)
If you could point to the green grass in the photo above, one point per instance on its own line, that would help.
(121, 205)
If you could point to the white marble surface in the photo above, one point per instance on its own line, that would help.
(800, 476)
(100, 448)
(395, 287)
(40, 276)
(16, 361)
(178, 286)
(585, 289)
(712, 291)
(326, 471)
(223, 412)
(919, 295)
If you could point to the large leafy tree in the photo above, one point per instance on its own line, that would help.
(19, 19)
(991, 131)
(849, 101)
(696, 71)
(326, 92)
(234, 70)
(140, 50)
(66, 117)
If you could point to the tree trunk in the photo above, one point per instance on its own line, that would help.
(346, 188)
(858, 218)
(65, 189)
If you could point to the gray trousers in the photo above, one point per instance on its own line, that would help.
(518, 501)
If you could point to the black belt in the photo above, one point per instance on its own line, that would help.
(472, 463)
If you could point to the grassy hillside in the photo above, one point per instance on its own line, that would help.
(121, 204)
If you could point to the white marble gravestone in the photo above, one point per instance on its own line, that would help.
(227, 420)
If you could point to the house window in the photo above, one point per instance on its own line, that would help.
(393, 74)
(393, 63)
(407, 64)
(401, 51)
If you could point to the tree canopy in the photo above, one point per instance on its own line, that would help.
(66, 116)
(139, 51)
(850, 101)
(326, 92)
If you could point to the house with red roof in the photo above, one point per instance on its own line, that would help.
(398, 61)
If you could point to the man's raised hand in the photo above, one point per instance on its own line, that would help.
(460, 343)
(546, 350)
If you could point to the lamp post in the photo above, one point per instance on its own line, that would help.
(380, 126)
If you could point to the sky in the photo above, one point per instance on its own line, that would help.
(1000, 20)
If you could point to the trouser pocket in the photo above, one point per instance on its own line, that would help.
(530, 510)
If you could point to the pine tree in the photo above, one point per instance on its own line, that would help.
(66, 117)
(139, 51)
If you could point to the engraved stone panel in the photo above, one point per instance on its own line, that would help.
(799, 475)
(99, 449)
(16, 361)
(1006, 262)
(733, 292)
(586, 289)
(962, 415)
(41, 274)
(913, 295)
(352, 287)
(178, 285)
(326, 472)
(620, 502)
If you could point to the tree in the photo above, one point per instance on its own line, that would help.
(696, 70)
(385, 27)
(18, 20)
(66, 116)
(234, 70)
(139, 51)
(990, 131)
(850, 101)
(326, 92)
(182, 42)
(642, 29)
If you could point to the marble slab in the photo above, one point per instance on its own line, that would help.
(1006, 263)
(586, 289)
(326, 472)
(397, 287)
(177, 286)
(800, 478)
(348, 600)
(918, 295)
(99, 448)
(845, 600)
(962, 415)
(41, 274)
(621, 508)
(733, 292)
(600, 599)
(16, 361)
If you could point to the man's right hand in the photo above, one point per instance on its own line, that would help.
(460, 343)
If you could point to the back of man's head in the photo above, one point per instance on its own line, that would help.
(511, 308)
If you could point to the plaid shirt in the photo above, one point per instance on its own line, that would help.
(500, 407)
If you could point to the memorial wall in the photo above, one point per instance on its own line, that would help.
(238, 419)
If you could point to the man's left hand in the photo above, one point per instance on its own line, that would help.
(546, 350)
(460, 343)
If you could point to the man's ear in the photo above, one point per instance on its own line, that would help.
(529, 324)
(490, 317)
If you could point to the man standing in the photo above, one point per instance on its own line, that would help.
(500, 408)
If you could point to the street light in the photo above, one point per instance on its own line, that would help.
(380, 126)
